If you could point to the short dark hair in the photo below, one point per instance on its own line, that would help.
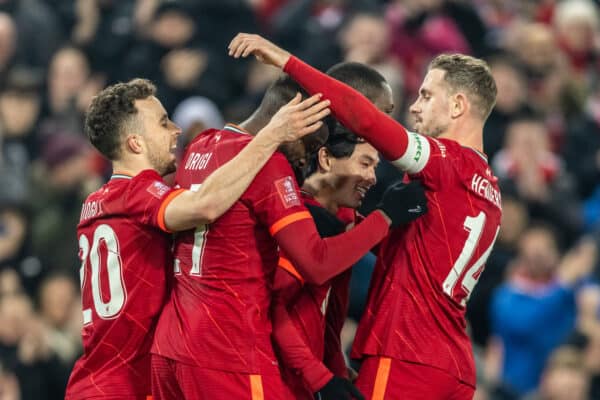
(471, 75)
(359, 77)
(279, 93)
(110, 112)
(341, 141)
(340, 144)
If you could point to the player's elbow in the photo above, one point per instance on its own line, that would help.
(205, 213)
(311, 275)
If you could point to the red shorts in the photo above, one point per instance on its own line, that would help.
(172, 380)
(382, 378)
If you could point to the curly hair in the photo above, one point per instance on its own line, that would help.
(111, 111)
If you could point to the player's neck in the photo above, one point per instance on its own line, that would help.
(255, 123)
(467, 132)
(130, 167)
(321, 192)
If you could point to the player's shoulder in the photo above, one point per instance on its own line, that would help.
(126, 193)
(445, 147)
(146, 177)
(276, 176)
(279, 159)
(467, 157)
(277, 167)
(204, 135)
(225, 140)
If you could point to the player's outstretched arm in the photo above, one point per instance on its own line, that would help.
(318, 260)
(350, 107)
(225, 186)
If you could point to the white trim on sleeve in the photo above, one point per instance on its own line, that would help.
(416, 156)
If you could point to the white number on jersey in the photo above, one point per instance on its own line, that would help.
(475, 227)
(198, 249)
(112, 262)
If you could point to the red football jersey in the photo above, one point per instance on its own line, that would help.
(125, 253)
(317, 313)
(426, 270)
(218, 313)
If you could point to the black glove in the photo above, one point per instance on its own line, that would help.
(339, 389)
(403, 203)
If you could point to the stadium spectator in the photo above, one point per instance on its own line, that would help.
(538, 296)
(529, 170)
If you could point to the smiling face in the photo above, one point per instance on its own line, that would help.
(158, 133)
(350, 177)
(431, 111)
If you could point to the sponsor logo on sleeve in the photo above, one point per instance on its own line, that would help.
(157, 189)
(287, 192)
(419, 150)
(416, 155)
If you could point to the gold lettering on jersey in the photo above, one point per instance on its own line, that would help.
(198, 161)
(90, 209)
(484, 188)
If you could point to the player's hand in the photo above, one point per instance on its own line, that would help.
(578, 262)
(297, 119)
(339, 389)
(352, 374)
(244, 44)
(403, 203)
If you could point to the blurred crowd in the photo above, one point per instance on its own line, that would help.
(535, 315)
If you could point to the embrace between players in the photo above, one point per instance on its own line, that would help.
(248, 298)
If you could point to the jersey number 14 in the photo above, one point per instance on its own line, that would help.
(474, 225)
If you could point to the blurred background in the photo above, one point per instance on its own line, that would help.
(534, 317)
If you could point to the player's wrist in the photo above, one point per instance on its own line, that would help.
(269, 139)
(386, 217)
(289, 61)
(285, 58)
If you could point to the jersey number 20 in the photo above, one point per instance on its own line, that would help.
(109, 259)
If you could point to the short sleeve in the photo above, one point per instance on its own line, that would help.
(147, 198)
(274, 195)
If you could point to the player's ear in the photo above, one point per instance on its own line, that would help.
(133, 143)
(458, 105)
(324, 159)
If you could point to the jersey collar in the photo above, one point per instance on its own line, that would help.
(480, 154)
(235, 128)
(120, 175)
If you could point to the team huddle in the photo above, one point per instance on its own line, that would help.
(234, 283)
